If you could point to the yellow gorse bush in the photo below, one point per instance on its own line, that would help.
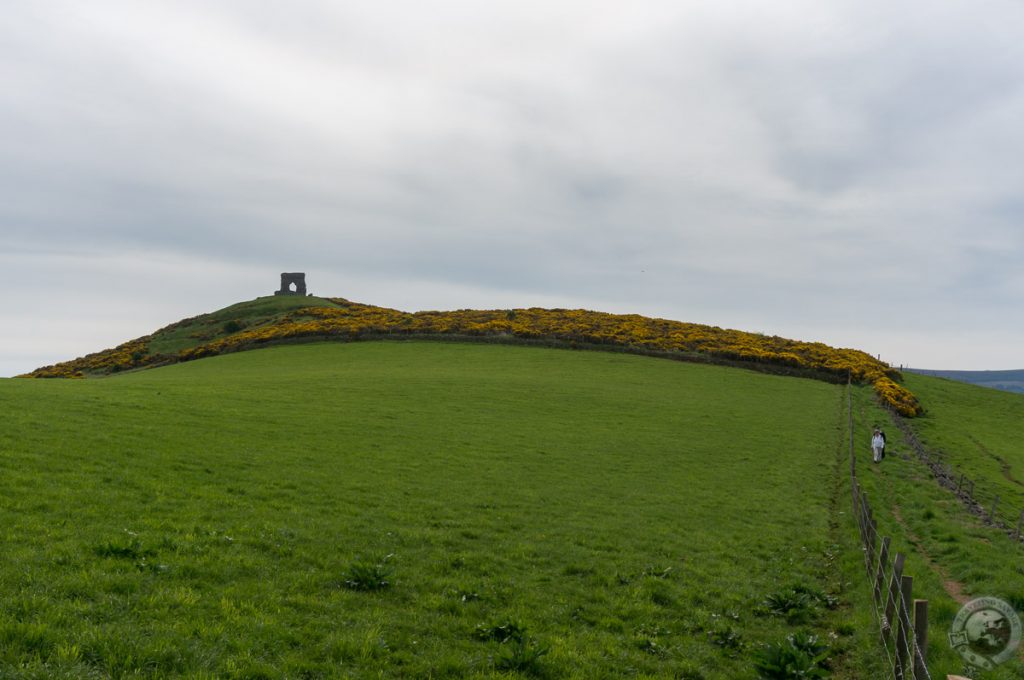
(574, 327)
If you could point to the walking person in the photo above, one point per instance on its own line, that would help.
(877, 445)
(884, 442)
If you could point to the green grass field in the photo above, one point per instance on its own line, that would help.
(423, 510)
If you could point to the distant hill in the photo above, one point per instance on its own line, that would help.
(1009, 381)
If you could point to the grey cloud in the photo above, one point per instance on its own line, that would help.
(783, 166)
(850, 114)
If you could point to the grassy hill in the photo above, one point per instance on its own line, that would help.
(533, 513)
(383, 509)
(287, 319)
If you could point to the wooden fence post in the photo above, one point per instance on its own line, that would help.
(859, 512)
(883, 557)
(856, 500)
(866, 510)
(903, 638)
(872, 555)
(865, 519)
(960, 482)
(869, 549)
(1020, 521)
(970, 494)
(920, 639)
(992, 510)
(890, 602)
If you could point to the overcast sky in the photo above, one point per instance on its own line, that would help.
(847, 171)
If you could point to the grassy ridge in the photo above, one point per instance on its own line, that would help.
(248, 325)
(204, 519)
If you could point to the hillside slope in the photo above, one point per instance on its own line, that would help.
(272, 320)
(414, 510)
(977, 431)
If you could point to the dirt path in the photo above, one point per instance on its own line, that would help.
(954, 588)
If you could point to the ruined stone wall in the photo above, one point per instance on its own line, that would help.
(298, 279)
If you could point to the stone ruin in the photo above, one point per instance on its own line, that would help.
(297, 279)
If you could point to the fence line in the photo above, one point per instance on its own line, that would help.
(986, 505)
(902, 620)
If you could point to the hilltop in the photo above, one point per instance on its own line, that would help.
(288, 318)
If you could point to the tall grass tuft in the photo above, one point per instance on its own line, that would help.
(368, 576)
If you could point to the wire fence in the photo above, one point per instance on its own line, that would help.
(902, 620)
(985, 503)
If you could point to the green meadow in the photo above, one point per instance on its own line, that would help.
(424, 510)
(451, 510)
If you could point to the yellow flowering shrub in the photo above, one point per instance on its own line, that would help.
(575, 327)
(897, 396)
(132, 354)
